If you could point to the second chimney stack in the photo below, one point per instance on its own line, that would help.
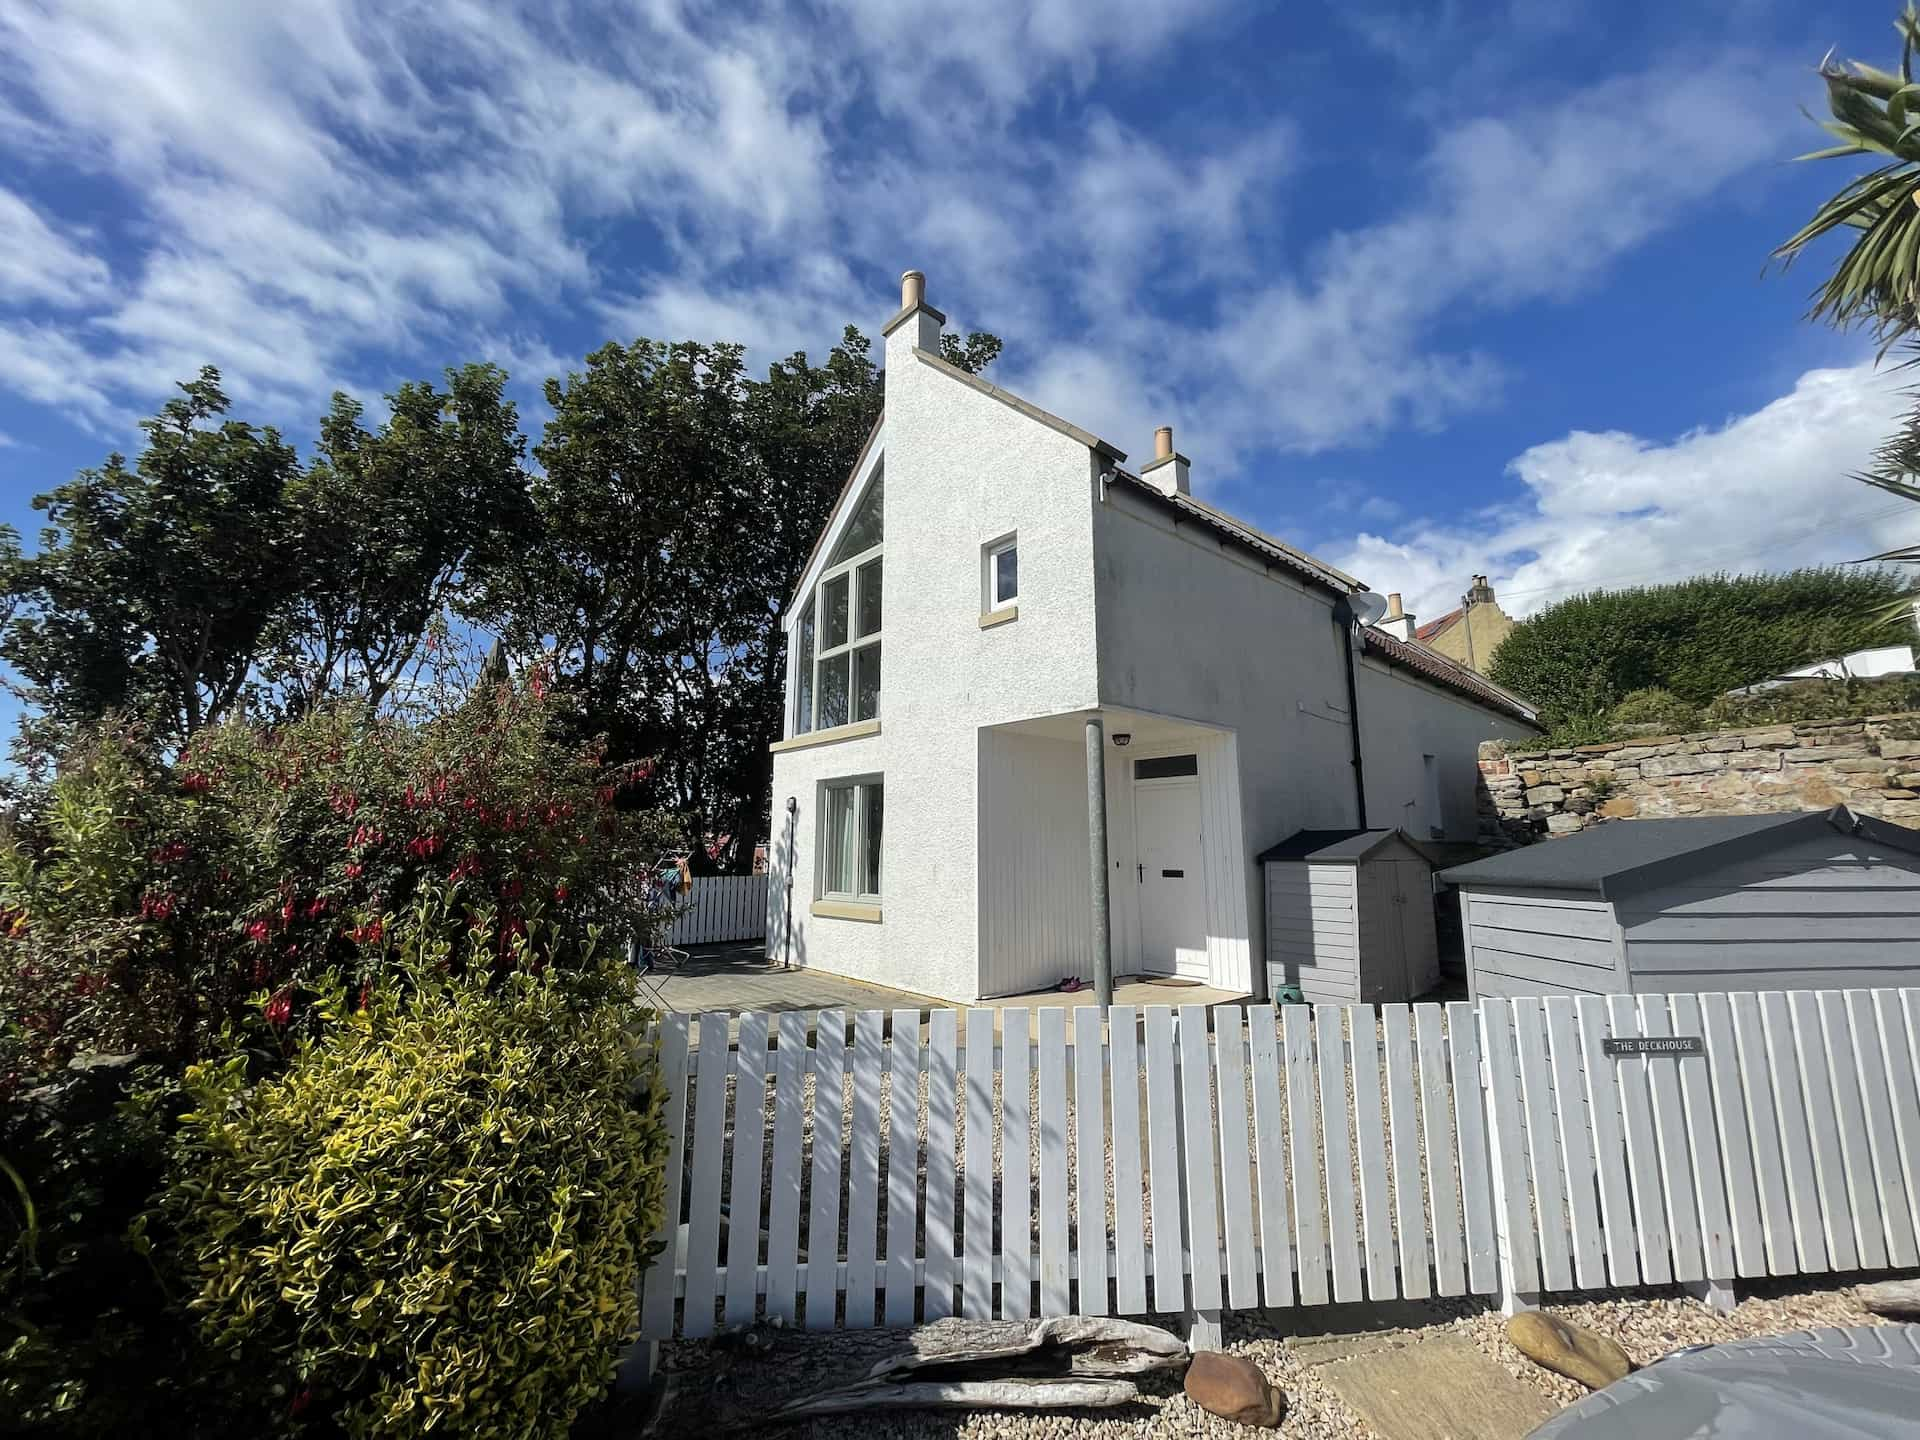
(1167, 471)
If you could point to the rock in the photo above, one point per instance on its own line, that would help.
(1899, 1299)
(1681, 764)
(1563, 824)
(1568, 1349)
(1545, 795)
(1234, 1389)
(1621, 807)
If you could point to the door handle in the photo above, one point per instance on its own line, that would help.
(1141, 876)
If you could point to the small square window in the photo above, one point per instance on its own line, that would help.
(1000, 574)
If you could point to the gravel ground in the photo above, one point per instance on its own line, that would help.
(711, 1378)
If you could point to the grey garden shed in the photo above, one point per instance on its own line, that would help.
(1350, 916)
(1818, 900)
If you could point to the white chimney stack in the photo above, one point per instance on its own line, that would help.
(1396, 621)
(1167, 471)
(917, 326)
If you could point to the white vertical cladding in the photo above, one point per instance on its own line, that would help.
(1403, 719)
(1035, 892)
(962, 468)
(1190, 627)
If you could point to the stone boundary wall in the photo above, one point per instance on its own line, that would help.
(1870, 764)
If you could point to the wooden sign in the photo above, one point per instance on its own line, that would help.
(1655, 1045)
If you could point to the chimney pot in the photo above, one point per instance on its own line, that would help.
(913, 290)
(1394, 611)
(1163, 442)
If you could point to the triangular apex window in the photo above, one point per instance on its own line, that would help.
(863, 531)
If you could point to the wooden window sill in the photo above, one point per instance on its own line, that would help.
(999, 617)
(857, 730)
(846, 910)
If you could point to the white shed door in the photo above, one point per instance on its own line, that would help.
(1172, 877)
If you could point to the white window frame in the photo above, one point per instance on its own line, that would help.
(822, 653)
(990, 554)
(859, 784)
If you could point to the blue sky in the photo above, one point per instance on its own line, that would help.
(1430, 288)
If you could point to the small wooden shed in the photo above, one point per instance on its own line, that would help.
(1350, 916)
(1818, 900)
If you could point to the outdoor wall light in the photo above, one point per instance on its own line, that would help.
(1123, 738)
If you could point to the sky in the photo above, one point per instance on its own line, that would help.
(1432, 289)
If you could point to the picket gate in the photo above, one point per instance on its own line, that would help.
(892, 1168)
(720, 908)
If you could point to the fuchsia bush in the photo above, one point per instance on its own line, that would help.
(149, 904)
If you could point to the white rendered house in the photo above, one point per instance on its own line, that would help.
(991, 580)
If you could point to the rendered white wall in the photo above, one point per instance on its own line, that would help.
(1403, 718)
(1190, 628)
(962, 468)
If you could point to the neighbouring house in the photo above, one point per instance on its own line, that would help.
(1468, 635)
(1823, 899)
(1855, 665)
(1053, 625)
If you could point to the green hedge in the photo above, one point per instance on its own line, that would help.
(436, 1216)
(1698, 639)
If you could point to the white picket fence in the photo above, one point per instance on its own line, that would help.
(1289, 1157)
(722, 907)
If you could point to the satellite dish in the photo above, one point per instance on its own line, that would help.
(1367, 607)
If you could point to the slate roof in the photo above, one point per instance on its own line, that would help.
(1346, 846)
(1432, 665)
(1434, 627)
(1624, 854)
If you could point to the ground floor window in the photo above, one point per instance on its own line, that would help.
(850, 826)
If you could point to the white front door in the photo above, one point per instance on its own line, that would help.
(1172, 878)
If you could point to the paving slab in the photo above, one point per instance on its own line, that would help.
(1435, 1387)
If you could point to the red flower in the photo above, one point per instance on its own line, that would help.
(355, 871)
(280, 1009)
(257, 931)
(196, 783)
(156, 907)
(560, 891)
(366, 993)
(300, 1402)
(317, 907)
(169, 853)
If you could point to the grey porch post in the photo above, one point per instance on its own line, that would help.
(1097, 859)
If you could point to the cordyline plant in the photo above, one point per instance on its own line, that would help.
(1877, 281)
(148, 904)
(1877, 114)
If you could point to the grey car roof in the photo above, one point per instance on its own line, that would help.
(1826, 1384)
(1623, 853)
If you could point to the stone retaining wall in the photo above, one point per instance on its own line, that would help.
(1870, 764)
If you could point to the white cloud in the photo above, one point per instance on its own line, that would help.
(1764, 491)
(336, 187)
(38, 263)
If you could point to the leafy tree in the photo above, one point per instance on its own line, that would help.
(388, 523)
(1699, 638)
(154, 586)
(677, 500)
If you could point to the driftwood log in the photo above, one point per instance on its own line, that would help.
(1897, 1299)
(1067, 1362)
